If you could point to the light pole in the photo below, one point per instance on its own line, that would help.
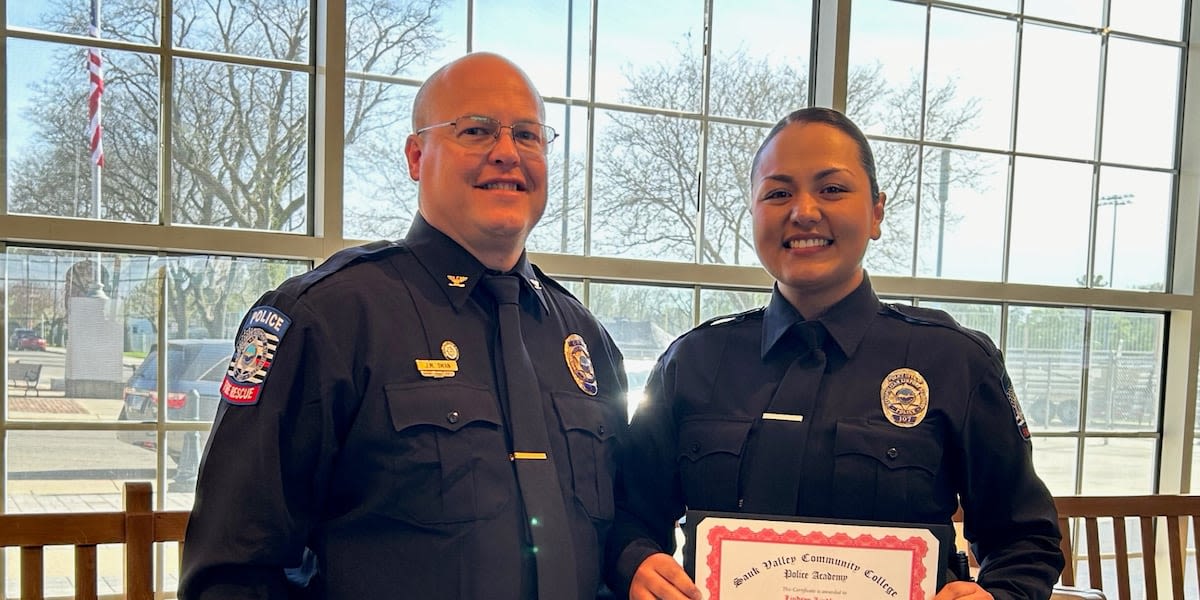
(1115, 201)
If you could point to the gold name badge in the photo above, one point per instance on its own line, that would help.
(437, 368)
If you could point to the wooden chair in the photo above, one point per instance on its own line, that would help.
(1160, 518)
(137, 527)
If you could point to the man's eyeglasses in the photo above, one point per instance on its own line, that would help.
(479, 132)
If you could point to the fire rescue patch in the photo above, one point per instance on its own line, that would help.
(579, 363)
(905, 397)
(1018, 414)
(252, 357)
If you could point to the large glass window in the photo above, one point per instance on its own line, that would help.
(1038, 171)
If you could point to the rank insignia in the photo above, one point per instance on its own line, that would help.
(449, 350)
(254, 354)
(537, 284)
(457, 280)
(905, 397)
(579, 363)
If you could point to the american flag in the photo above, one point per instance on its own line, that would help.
(96, 89)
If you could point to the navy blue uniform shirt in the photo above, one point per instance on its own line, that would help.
(336, 445)
(866, 440)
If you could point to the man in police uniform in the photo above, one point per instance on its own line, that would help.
(363, 448)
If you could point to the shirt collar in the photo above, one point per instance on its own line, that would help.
(457, 270)
(846, 321)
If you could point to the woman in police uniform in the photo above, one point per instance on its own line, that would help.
(828, 403)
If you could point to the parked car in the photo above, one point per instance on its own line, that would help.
(195, 369)
(26, 339)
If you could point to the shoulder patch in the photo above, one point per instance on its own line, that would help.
(254, 354)
(937, 318)
(1018, 414)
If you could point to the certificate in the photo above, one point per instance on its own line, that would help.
(759, 557)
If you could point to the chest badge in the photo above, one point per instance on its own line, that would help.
(457, 280)
(579, 363)
(450, 350)
(905, 397)
(440, 369)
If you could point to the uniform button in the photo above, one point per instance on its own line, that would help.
(695, 447)
(452, 417)
(602, 430)
(893, 453)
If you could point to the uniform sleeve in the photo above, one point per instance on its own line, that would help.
(1009, 514)
(265, 468)
(649, 499)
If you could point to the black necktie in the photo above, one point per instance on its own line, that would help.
(536, 474)
(771, 481)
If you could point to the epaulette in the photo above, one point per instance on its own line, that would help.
(734, 318)
(931, 316)
(342, 259)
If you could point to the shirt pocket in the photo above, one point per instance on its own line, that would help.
(709, 457)
(448, 460)
(882, 471)
(589, 428)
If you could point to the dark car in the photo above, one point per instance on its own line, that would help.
(26, 339)
(195, 369)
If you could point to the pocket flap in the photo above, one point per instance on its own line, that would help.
(445, 404)
(893, 447)
(577, 412)
(701, 437)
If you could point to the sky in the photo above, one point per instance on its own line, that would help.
(1056, 114)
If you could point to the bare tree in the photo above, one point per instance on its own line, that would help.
(240, 135)
(645, 188)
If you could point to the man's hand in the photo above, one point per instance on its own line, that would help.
(659, 577)
(966, 590)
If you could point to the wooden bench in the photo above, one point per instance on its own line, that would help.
(24, 376)
(138, 527)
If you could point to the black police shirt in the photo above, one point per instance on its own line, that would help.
(901, 414)
(362, 430)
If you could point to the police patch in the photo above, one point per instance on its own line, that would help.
(1018, 414)
(905, 397)
(579, 363)
(252, 357)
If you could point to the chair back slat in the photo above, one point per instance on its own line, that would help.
(1121, 546)
(1148, 563)
(31, 573)
(1092, 529)
(1068, 572)
(85, 572)
(1177, 549)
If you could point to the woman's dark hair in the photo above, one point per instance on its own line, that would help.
(828, 116)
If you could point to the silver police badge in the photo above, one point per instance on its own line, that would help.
(579, 363)
(905, 397)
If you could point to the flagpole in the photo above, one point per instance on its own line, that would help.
(95, 133)
(94, 118)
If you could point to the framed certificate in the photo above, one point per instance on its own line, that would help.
(742, 557)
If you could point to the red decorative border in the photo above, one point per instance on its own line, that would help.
(719, 533)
